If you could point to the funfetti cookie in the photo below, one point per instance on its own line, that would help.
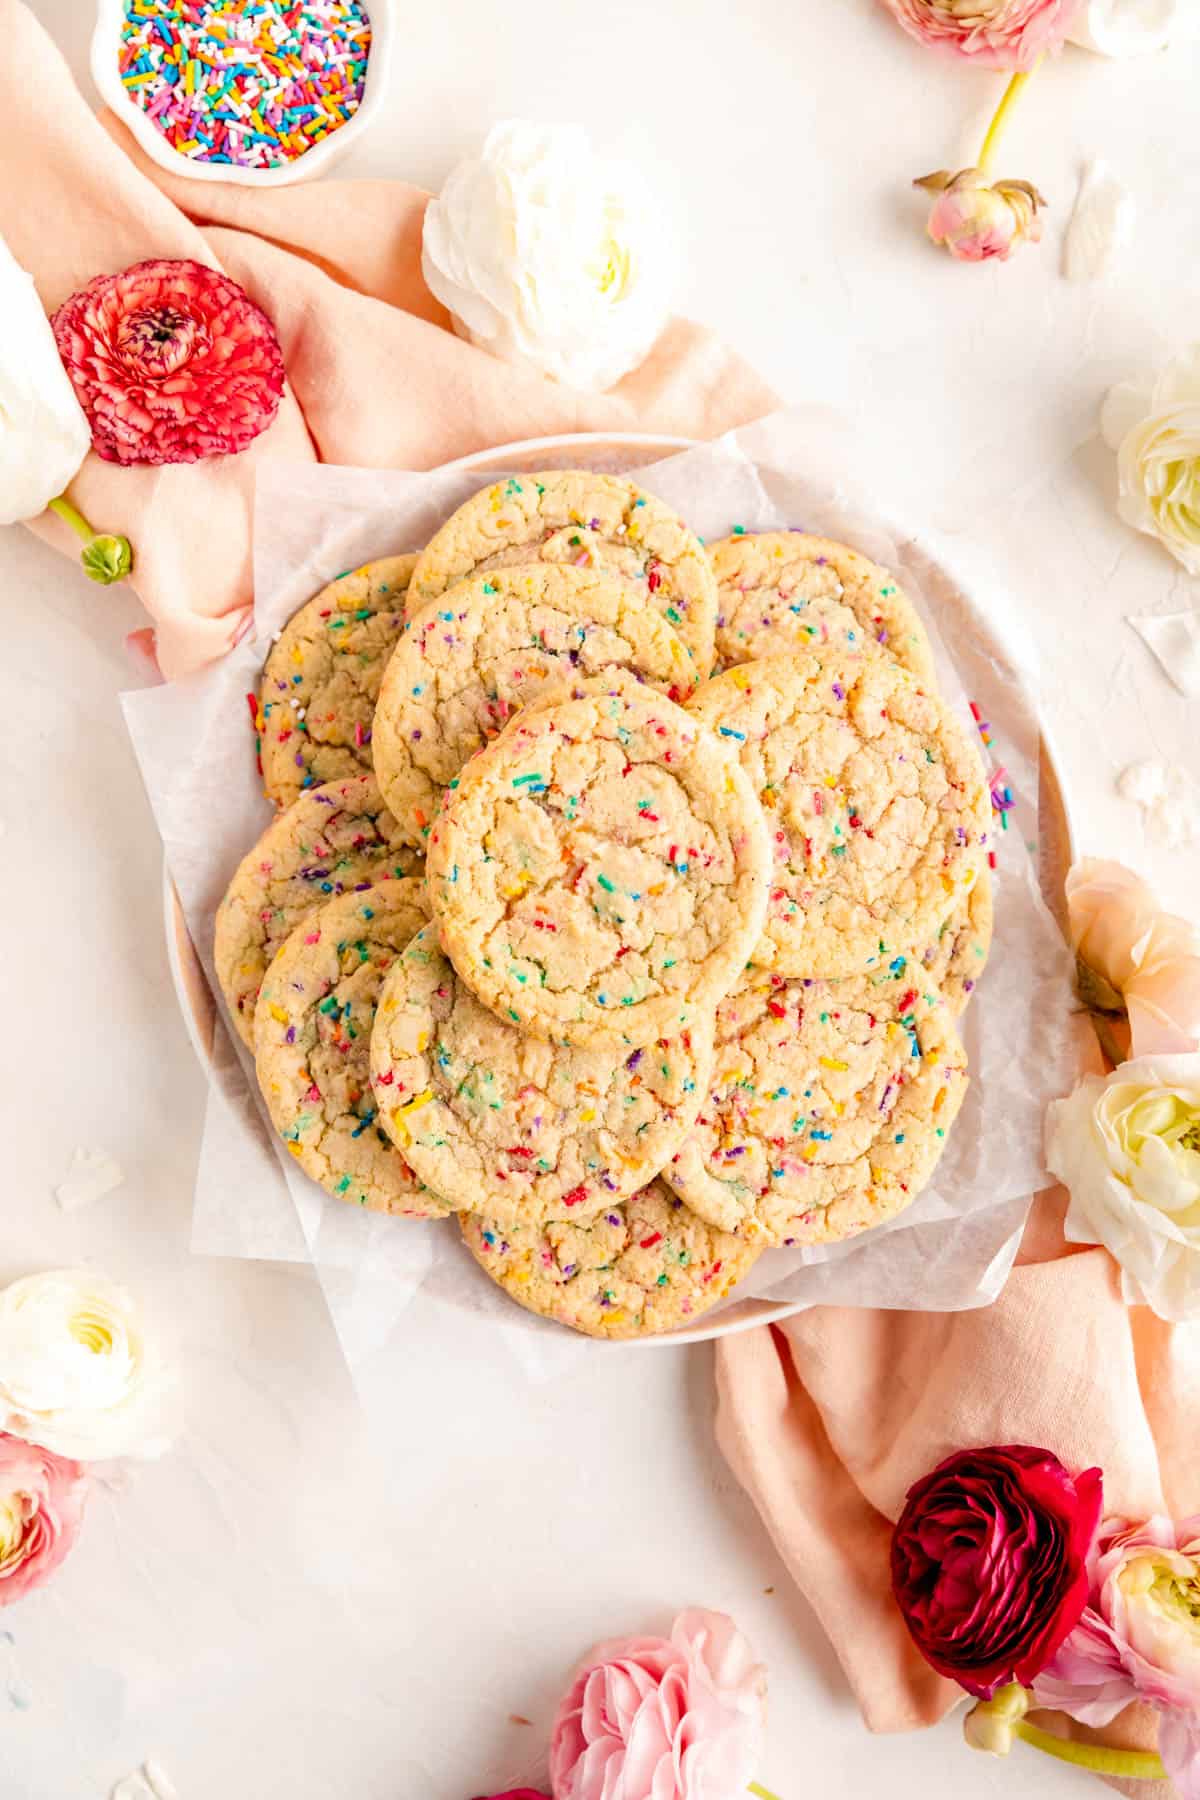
(333, 839)
(876, 803)
(828, 1108)
(644, 1266)
(786, 590)
(312, 1046)
(470, 660)
(599, 873)
(957, 957)
(506, 1124)
(617, 525)
(320, 682)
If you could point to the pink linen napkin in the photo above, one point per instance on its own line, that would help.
(828, 1418)
(376, 377)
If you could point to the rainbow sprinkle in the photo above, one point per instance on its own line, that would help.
(252, 83)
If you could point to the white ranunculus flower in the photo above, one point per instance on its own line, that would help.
(1155, 430)
(1127, 1148)
(74, 1373)
(545, 254)
(43, 434)
(1132, 27)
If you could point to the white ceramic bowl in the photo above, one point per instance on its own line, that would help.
(106, 39)
(618, 452)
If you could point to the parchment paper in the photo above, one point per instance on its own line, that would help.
(954, 1246)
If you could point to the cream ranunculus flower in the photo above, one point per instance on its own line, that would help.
(544, 254)
(1127, 1147)
(1155, 430)
(43, 434)
(74, 1371)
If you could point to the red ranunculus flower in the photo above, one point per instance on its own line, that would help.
(171, 362)
(989, 1562)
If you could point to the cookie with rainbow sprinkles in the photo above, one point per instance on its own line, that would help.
(334, 839)
(876, 803)
(598, 874)
(312, 1047)
(512, 1126)
(789, 590)
(828, 1108)
(320, 683)
(468, 662)
(645, 1266)
(617, 524)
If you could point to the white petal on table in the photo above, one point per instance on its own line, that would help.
(1174, 638)
(1101, 224)
(92, 1174)
(1133, 27)
(1169, 799)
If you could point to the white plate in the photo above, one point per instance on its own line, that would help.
(619, 452)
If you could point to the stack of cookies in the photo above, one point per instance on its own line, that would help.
(635, 968)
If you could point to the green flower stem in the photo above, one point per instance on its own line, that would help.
(71, 515)
(105, 558)
(1001, 116)
(1131, 1765)
(762, 1792)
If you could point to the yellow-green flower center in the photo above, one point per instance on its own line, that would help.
(93, 1333)
(1173, 1590)
(14, 1520)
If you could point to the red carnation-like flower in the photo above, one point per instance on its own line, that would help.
(989, 1563)
(171, 362)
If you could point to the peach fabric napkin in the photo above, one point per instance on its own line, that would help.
(828, 1418)
(376, 376)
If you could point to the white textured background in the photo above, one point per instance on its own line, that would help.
(277, 1610)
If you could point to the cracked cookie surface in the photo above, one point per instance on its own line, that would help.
(312, 1046)
(788, 590)
(957, 957)
(599, 872)
(642, 1267)
(875, 799)
(320, 682)
(469, 661)
(829, 1105)
(333, 839)
(506, 1124)
(617, 525)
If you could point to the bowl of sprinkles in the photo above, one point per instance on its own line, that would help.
(258, 92)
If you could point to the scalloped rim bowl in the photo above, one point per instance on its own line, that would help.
(616, 452)
(106, 38)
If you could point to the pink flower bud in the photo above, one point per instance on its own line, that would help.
(976, 219)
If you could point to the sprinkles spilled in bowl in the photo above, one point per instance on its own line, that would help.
(254, 84)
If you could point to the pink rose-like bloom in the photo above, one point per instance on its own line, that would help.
(517, 1794)
(1138, 1639)
(989, 1562)
(662, 1719)
(41, 1507)
(1150, 957)
(976, 220)
(171, 362)
(998, 34)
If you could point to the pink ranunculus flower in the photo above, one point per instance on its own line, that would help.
(171, 361)
(977, 220)
(1138, 1639)
(997, 34)
(678, 1718)
(517, 1794)
(1150, 957)
(41, 1507)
